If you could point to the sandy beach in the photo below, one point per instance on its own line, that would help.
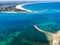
(21, 7)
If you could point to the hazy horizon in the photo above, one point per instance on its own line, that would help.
(32, 0)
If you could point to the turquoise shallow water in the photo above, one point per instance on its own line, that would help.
(19, 27)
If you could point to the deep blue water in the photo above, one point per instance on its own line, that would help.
(43, 6)
(23, 22)
(26, 19)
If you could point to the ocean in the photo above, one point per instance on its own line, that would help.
(43, 6)
(22, 25)
(17, 28)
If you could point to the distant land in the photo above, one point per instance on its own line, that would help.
(10, 5)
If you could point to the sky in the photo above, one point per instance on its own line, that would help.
(29, 0)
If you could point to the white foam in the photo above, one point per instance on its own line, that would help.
(8, 12)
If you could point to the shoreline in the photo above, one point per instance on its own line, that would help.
(21, 6)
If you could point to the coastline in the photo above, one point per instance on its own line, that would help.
(21, 7)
